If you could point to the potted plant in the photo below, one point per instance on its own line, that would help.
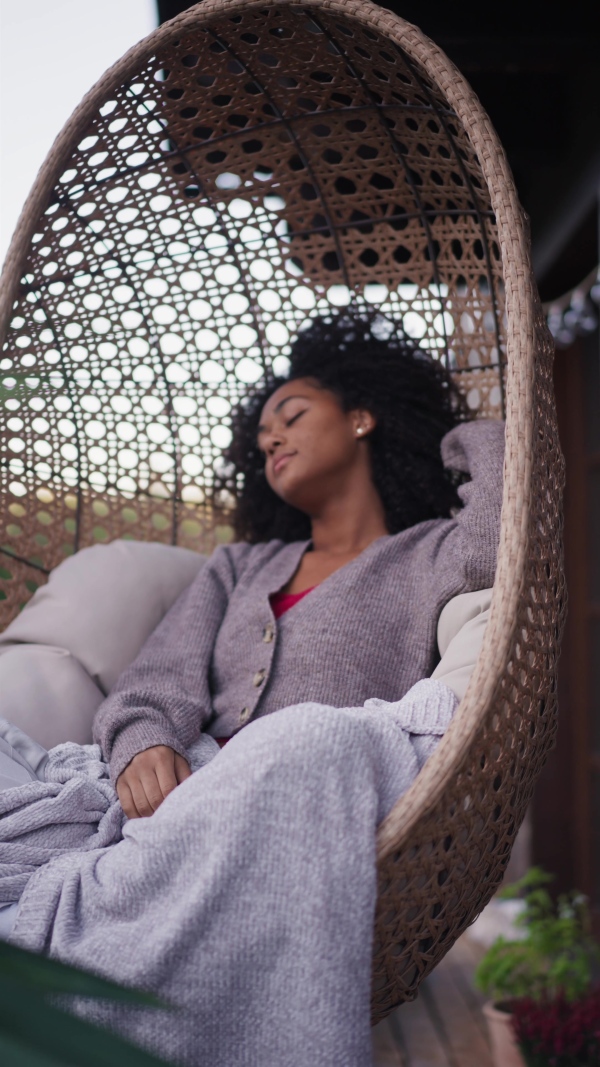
(540, 983)
(561, 1033)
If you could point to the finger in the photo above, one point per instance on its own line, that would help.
(182, 768)
(140, 799)
(152, 788)
(126, 800)
(166, 777)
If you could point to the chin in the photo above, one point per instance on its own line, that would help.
(287, 487)
(288, 496)
(293, 499)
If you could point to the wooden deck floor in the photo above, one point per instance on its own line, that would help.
(444, 1026)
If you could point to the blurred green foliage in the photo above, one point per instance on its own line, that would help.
(37, 1031)
(556, 954)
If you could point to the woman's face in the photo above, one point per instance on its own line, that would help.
(311, 445)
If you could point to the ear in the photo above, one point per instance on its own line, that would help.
(363, 422)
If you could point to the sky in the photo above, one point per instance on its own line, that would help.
(51, 53)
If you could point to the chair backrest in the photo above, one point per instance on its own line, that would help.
(243, 169)
(247, 166)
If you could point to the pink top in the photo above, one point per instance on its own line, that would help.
(280, 603)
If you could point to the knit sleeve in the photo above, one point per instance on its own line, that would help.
(163, 697)
(477, 449)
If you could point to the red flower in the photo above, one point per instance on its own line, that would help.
(559, 1032)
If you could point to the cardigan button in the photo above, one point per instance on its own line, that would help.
(268, 633)
(245, 714)
(259, 678)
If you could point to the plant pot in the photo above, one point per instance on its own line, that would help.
(505, 1051)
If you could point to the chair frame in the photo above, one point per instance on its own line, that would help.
(443, 850)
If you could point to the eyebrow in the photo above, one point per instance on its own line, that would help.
(278, 407)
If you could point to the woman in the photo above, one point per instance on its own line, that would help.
(344, 501)
(247, 899)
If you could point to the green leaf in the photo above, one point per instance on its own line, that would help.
(556, 954)
(18, 1054)
(37, 1029)
(534, 877)
(50, 976)
(36, 1032)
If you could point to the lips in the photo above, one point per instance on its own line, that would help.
(282, 461)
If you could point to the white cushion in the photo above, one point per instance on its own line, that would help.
(65, 651)
(46, 693)
(461, 627)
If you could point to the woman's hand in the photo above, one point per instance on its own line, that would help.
(149, 778)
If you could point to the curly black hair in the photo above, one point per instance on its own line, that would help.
(368, 363)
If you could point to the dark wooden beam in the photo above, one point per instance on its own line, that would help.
(566, 798)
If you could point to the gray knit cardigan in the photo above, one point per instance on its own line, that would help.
(219, 659)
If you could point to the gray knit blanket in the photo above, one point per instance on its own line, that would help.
(246, 902)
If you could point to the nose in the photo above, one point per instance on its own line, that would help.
(274, 439)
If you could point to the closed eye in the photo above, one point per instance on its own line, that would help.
(295, 418)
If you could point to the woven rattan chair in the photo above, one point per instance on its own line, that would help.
(248, 165)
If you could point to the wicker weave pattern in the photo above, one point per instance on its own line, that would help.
(248, 166)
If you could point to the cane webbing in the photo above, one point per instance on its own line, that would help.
(248, 166)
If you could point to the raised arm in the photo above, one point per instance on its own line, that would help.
(471, 544)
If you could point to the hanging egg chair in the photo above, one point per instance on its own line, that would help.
(246, 167)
